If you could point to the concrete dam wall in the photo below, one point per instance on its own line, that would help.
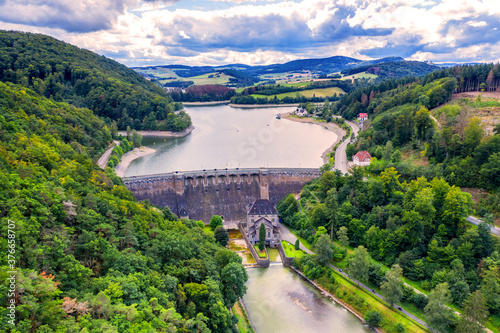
(201, 194)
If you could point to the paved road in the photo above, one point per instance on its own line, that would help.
(494, 230)
(340, 155)
(103, 160)
(287, 235)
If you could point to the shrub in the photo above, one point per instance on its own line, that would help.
(373, 318)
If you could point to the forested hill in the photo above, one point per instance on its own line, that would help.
(458, 149)
(88, 256)
(64, 72)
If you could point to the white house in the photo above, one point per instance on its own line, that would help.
(362, 158)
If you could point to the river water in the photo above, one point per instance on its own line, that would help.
(278, 301)
(226, 137)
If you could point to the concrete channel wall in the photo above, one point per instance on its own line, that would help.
(260, 262)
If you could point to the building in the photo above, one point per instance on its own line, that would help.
(362, 158)
(362, 117)
(301, 112)
(262, 211)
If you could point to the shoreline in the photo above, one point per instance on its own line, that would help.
(161, 134)
(329, 126)
(205, 103)
(256, 106)
(128, 157)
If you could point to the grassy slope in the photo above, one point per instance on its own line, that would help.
(325, 92)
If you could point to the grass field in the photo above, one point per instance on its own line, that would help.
(243, 324)
(208, 230)
(363, 301)
(262, 254)
(325, 92)
(362, 75)
(290, 250)
(205, 79)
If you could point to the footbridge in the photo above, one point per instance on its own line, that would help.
(201, 194)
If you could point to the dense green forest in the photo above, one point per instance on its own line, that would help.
(89, 257)
(64, 72)
(394, 69)
(419, 225)
(458, 149)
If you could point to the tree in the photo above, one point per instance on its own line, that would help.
(389, 149)
(342, 236)
(438, 315)
(392, 288)
(297, 245)
(359, 264)
(396, 156)
(323, 249)
(233, 278)
(221, 236)
(474, 314)
(215, 221)
(136, 138)
(262, 237)
(373, 318)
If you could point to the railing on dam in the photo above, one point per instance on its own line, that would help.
(208, 172)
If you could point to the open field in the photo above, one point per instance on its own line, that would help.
(486, 108)
(262, 254)
(290, 250)
(362, 75)
(244, 325)
(325, 92)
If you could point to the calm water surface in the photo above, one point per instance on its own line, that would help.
(226, 137)
(278, 301)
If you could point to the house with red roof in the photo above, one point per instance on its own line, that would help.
(362, 158)
(362, 117)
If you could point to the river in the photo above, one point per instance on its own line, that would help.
(278, 300)
(226, 137)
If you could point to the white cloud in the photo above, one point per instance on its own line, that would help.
(263, 32)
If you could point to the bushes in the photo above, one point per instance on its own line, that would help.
(373, 318)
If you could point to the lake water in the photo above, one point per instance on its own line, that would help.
(278, 301)
(226, 137)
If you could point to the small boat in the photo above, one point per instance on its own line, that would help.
(278, 116)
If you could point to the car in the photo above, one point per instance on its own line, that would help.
(399, 308)
(340, 270)
(215, 169)
(204, 170)
(373, 290)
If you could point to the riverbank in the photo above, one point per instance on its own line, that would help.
(329, 126)
(261, 106)
(205, 103)
(162, 134)
(129, 157)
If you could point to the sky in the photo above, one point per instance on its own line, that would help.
(261, 32)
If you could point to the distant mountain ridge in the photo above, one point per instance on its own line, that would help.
(319, 66)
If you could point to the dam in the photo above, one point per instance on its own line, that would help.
(200, 194)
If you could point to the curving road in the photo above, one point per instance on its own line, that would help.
(494, 230)
(340, 155)
(103, 160)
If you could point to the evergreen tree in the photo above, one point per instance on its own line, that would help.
(262, 237)
(221, 236)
